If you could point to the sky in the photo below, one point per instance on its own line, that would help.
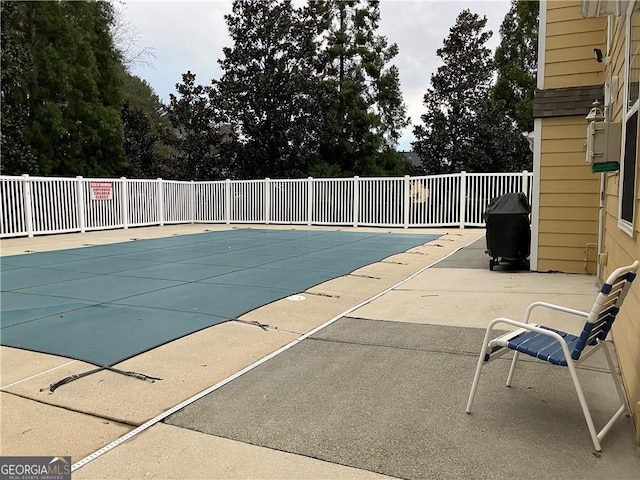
(190, 35)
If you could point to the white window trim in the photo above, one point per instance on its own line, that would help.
(624, 225)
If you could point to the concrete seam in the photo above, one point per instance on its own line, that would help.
(36, 375)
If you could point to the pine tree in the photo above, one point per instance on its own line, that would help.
(363, 108)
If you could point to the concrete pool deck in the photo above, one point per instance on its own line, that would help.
(352, 420)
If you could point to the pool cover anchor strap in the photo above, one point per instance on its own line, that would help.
(256, 323)
(140, 376)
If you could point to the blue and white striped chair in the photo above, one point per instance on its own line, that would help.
(563, 349)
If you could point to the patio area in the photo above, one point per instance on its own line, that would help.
(362, 376)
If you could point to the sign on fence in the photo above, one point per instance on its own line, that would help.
(101, 190)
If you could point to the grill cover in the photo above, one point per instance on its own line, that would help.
(508, 230)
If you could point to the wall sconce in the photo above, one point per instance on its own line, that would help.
(596, 114)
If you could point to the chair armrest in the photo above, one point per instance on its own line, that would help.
(532, 328)
(560, 308)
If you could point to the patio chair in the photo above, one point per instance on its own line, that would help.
(563, 349)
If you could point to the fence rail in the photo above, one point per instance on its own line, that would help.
(43, 205)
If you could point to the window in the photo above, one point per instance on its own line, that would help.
(630, 156)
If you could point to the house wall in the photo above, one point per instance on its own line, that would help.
(569, 194)
(621, 248)
(568, 200)
(567, 230)
(569, 43)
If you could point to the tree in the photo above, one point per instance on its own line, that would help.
(71, 89)
(139, 141)
(516, 62)
(268, 90)
(363, 108)
(146, 128)
(198, 137)
(16, 63)
(449, 140)
(499, 146)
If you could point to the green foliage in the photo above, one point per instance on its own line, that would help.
(308, 89)
(141, 95)
(499, 146)
(198, 137)
(268, 90)
(448, 141)
(16, 155)
(72, 90)
(466, 127)
(363, 110)
(516, 63)
(146, 129)
(139, 141)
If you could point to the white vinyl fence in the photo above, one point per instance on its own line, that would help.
(42, 205)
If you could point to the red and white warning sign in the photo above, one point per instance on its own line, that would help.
(101, 190)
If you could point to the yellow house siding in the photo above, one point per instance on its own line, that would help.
(581, 213)
(576, 80)
(557, 43)
(622, 249)
(569, 43)
(568, 198)
(566, 68)
(569, 192)
(573, 23)
(562, 172)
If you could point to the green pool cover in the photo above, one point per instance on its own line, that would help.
(104, 304)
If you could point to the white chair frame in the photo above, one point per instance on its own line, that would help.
(492, 349)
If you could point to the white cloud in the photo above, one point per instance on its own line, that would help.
(190, 35)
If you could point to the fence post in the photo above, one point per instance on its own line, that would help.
(26, 192)
(81, 209)
(227, 203)
(356, 203)
(525, 184)
(407, 201)
(463, 197)
(267, 198)
(160, 203)
(192, 207)
(309, 200)
(124, 200)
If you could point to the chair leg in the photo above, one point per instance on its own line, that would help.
(512, 370)
(616, 379)
(476, 377)
(585, 408)
(624, 409)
